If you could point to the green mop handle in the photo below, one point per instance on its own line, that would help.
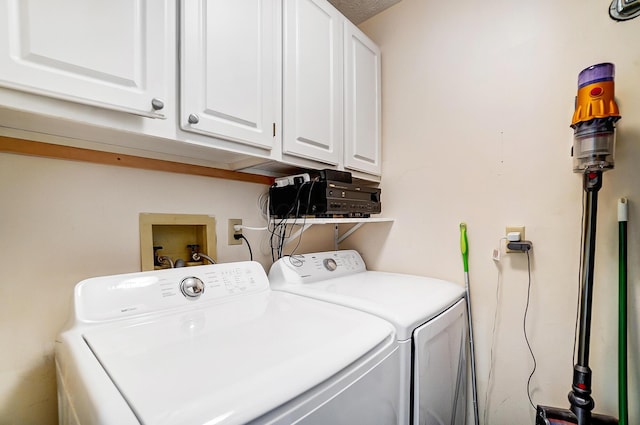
(464, 247)
(623, 398)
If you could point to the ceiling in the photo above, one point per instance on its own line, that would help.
(358, 11)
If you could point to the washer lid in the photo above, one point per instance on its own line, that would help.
(406, 301)
(234, 362)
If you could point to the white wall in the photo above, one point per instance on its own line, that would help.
(64, 221)
(477, 102)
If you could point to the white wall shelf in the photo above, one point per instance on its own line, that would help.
(306, 223)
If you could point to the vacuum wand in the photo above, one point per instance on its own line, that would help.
(580, 396)
(581, 402)
(464, 247)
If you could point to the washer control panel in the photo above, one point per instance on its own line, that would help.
(109, 297)
(307, 268)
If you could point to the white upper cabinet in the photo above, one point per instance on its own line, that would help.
(312, 83)
(331, 89)
(243, 84)
(229, 84)
(109, 54)
(362, 140)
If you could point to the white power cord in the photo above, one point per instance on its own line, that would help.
(238, 227)
(496, 255)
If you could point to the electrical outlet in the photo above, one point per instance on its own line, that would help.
(510, 229)
(232, 231)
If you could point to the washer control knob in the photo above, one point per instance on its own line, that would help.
(330, 264)
(191, 287)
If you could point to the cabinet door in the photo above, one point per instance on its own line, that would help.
(229, 81)
(110, 54)
(312, 103)
(362, 143)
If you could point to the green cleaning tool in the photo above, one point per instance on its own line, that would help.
(464, 247)
(623, 398)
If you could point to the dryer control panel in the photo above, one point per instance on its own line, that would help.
(308, 268)
(112, 297)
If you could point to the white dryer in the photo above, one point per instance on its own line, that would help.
(214, 345)
(429, 316)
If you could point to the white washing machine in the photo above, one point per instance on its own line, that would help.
(429, 316)
(214, 345)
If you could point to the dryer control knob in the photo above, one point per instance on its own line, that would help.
(330, 264)
(191, 287)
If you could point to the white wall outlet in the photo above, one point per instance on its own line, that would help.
(232, 231)
(512, 229)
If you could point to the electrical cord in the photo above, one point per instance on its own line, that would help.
(524, 326)
(263, 205)
(279, 232)
(248, 245)
(276, 230)
(297, 214)
(304, 220)
(493, 337)
(253, 228)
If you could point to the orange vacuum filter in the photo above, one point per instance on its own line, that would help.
(595, 101)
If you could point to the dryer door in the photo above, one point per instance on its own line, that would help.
(440, 368)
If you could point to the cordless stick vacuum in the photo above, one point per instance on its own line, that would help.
(594, 139)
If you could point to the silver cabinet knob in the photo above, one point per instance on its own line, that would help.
(157, 104)
(194, 119)
(191, 287)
